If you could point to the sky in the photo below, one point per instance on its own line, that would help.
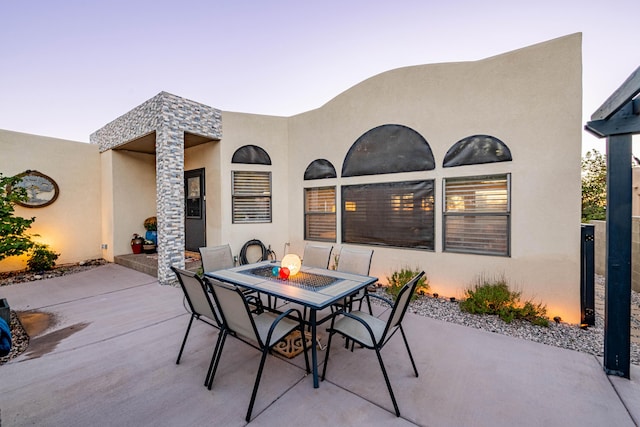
(69, 67)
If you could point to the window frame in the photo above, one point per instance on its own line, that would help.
(399, 210)
(478, 214)
(237, 196)
(320, 214)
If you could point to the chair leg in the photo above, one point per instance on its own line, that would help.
(214, 357)
(406, 343)
(217, 358)
(386, 379)
(304, 348)
(184, 341)
(257, 383)
(326, 355)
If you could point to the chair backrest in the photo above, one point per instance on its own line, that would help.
(402, 303)
(196, 294)
(355, 261)
(234, 310)
(216, 258)
(316, 256)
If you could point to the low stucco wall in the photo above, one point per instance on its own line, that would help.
(71, 225)
(600, 230)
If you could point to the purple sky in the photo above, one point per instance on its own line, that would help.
(67, 68)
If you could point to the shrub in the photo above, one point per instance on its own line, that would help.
(41, 258)
(400, 277)
(14, 239)
(493, 296)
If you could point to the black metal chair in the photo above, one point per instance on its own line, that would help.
(261, 331)
(373, 333)
(200, 305)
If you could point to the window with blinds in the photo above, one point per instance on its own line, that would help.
(396, 214)
(477, 215)
(251, 197)
(320, 214)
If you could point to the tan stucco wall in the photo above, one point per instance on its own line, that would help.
(71, 225)
(635, 198)
(269, 133)
(129, 183)
(531, 99)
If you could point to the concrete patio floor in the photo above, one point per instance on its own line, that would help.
(109, 359)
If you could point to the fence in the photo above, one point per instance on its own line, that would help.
(601, 250)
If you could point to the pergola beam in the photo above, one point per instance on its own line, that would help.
(621, 97)
(617, 120)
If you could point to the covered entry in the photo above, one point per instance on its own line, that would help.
(143, 151)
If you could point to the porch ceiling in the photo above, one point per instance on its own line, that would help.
(147, 144)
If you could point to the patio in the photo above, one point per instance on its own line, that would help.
(110, 360)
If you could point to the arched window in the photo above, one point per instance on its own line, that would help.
(252, 155)
(388, 149)
(475, 150)
(320, 169)
(387, 213)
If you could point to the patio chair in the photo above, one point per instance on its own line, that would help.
(216, 257)
(316, 256)
(200, 305)
(373, 333)
(261, 331)
(356, 262)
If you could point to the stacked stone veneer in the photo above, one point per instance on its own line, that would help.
(169, 116)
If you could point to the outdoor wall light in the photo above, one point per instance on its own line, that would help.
(292, 263)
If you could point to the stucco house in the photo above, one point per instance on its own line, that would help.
(459, 169)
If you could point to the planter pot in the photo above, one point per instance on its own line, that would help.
(149, 249)
(5, 311)
(152, 235)
(136, 244)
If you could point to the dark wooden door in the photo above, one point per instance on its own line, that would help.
(194, 203)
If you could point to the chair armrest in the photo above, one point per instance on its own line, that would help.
(387, 300)
(280, 317)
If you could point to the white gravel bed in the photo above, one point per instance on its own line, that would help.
(569, 336)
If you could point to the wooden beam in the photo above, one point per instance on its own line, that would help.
(625, 121)
(625, 93)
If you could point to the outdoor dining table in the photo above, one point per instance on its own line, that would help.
(313, 288)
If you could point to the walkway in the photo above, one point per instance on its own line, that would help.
(110, 360)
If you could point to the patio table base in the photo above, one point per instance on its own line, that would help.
(291, 345)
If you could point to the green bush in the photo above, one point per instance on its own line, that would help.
(41, 258)
(493, 296)
(400, 277)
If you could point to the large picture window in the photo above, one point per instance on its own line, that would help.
(390, 214)
(477, 214)
(251, 197)
(320, 214)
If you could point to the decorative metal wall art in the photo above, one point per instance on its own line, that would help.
(41, 189)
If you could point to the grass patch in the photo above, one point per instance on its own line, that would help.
(493, 296)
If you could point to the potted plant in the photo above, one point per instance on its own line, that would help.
(148, 247)
(136, 244)
(151, 225)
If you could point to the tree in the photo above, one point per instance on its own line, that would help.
(594, 186)
(13, 237)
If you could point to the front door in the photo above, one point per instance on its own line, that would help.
(194, 203)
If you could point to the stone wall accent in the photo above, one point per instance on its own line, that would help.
(169, 116)
(600, 255)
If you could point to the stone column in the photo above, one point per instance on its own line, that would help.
(170, 201)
